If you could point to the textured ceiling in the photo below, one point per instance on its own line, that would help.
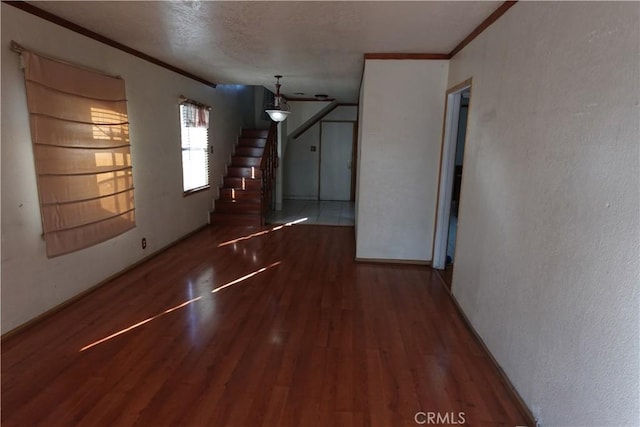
(317, 46)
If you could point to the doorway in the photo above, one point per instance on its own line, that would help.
(451, 170)
(336, 160)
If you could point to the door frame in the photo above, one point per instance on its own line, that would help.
(353, 155)
(446, 171)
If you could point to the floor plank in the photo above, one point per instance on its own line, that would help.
(280, 328)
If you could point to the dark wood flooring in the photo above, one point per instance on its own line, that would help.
(446, 275)
(295, 333)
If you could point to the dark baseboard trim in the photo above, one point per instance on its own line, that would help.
(44, 316)
(393, 261)
(522, 406)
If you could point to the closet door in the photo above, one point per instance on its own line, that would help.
(336, 146)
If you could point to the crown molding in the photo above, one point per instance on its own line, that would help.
(483, 26)
(47, 16)
(409, 56)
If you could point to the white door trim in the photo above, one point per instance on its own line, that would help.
(447, 167)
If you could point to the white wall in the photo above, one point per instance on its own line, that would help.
(547, 252)
(359, 155)
(282, 141)
(343, 112)
(259, 103)
(399, 149)
(301, 111)
(33, 284)
(300, 173)
(246, 100)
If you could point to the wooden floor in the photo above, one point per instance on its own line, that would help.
(278, 329)
(446, 275)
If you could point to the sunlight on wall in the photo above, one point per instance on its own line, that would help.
(112, 126)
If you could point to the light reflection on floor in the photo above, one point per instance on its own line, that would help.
(234, 242)
(316, 212)
(177, 307)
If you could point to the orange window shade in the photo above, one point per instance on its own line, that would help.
(80, 136)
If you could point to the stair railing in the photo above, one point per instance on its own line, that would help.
(268, 166)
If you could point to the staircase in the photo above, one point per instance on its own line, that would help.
(246, 193)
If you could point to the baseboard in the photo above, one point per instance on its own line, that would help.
(311, 198)
(394, 261)
(43, 316)
(522, 406)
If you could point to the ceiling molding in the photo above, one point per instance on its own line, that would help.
(472, 35)
(292, 99)
(29, 8)
(51, 17)
(435, 56)
(483, 26)
(397, 56)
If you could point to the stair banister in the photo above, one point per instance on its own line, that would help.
(268, 165)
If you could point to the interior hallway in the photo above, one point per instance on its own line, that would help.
(235, 326)
(314, 212)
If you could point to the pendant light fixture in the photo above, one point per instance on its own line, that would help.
(279, 110)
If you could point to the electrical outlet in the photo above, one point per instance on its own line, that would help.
(144, 243)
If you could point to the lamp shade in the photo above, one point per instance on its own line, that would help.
(279, 110)
(278, 115)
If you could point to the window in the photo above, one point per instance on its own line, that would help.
(194, 120)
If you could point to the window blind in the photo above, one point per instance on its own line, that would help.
(80, 136)
(195, 146)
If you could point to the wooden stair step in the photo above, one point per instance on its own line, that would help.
(238, 206)
(255, 133)
(238, 194)
(245, 161)
(252, 172)
(252, 142)
(236, 219)
(242, 183)
(244, 151)
(240, 201)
